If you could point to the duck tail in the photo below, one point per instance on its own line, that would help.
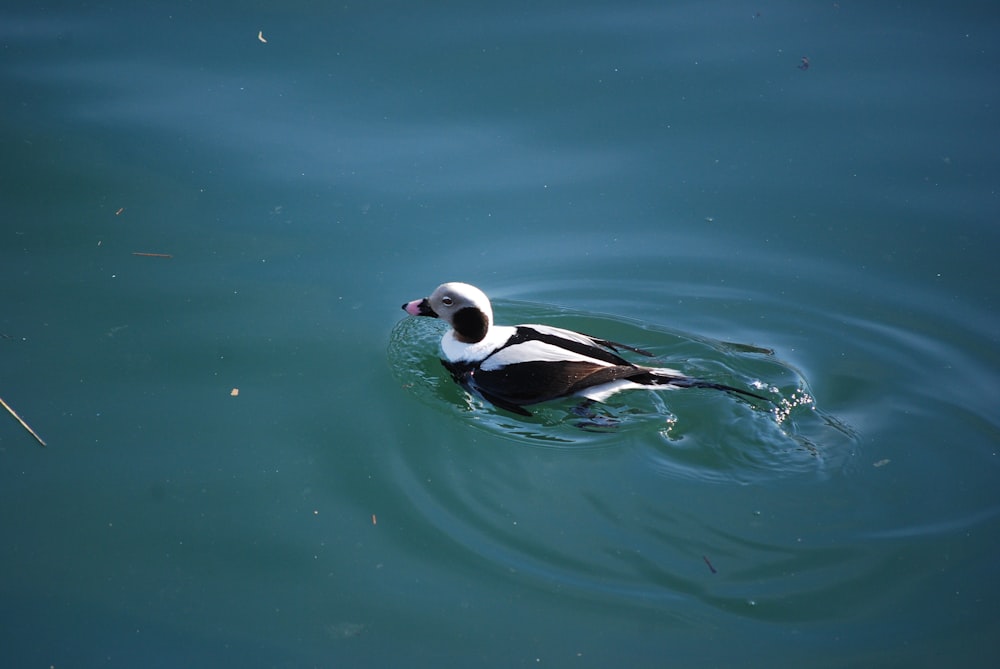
(698, 383)
(672, 378)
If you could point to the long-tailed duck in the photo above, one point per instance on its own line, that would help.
(515, 366)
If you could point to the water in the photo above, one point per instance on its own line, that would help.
(663, 175)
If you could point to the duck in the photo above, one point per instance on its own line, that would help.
(516, 366)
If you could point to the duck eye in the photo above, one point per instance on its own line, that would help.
(446, 301)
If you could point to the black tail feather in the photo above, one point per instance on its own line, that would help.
(698, 383)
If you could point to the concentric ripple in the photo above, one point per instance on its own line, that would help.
(695, 502)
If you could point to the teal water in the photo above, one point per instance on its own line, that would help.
(662, 174)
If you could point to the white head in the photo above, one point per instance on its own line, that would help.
(464, 307)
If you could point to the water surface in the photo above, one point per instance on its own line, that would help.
(663, 175)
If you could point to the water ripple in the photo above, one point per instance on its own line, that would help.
(699, 502)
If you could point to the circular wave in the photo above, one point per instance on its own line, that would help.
(621, 516)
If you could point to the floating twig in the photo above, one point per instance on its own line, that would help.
(705, 558)
(21, 421)
(152, 255)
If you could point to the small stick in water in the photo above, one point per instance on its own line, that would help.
(21, 421)
(705, 558)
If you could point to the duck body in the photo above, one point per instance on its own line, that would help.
(516, 366)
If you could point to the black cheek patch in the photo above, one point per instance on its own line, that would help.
(470, 324)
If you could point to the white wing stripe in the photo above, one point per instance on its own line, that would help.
(535, 351)
(569, 335)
